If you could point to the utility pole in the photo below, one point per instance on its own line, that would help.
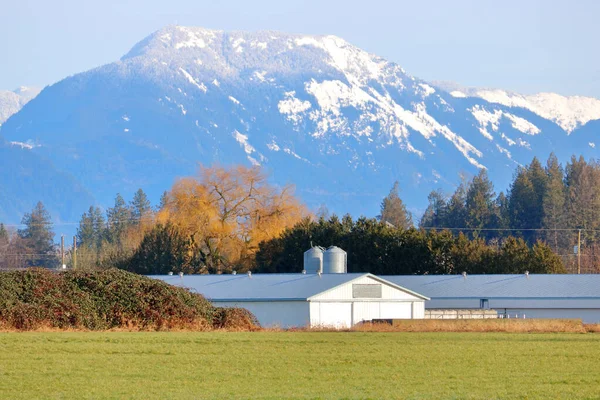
(62, 251)
(74, 252)
(579, 251)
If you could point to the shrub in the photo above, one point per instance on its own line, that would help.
(106, 299)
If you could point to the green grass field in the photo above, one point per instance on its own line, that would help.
(275, 365)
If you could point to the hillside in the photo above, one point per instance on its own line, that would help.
(12, 101)
(340, 123)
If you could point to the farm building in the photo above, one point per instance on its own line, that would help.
(527, 295)
(297, 300)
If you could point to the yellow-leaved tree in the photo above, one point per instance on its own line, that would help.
(227, 212)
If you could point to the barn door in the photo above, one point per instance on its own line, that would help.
(335, 315)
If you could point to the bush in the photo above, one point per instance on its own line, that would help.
(106, 299)
(234, 319)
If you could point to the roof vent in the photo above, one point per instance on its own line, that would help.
(319, 273)
(249, 274)
(464, 274)
(233, 272)
(527, 274)
(303, 272)
(170, 273)
(181, 274)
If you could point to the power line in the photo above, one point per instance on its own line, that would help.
(510, 229)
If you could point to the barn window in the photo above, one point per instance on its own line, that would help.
(366, 291)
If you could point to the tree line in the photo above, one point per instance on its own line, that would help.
(549, 203)
(233, 219)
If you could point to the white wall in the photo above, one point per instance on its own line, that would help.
(283, 314)
(344, 314)
(586, 315)
(587, 310)
(345, 291)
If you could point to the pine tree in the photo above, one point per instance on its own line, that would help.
(521, 204)
(435, 214)
(3, 234)
(553, 203)
(118, 219)
(539, 181)
(479, 204)
(141, 209)
(456, 211)
(38, 238)
(394, 211)
(91, 229)
(164, 198)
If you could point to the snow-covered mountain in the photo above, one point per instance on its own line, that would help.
(340, 123)
(12, 102)
(569, 112)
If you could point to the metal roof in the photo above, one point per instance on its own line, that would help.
(266, 287)
(557, 286)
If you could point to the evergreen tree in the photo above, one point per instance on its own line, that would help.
(456, 210)
(394, 211)
(521, 204)
(539, 181)
(435, 214)
(141, 209)
(501, 218)
(164, 198)
(91, 228)
(37, 237)
(3, 234)
(164, 249)
(118, 219)
(553, 204)
(479, 204)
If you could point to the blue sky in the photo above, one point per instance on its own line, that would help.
(526, 46)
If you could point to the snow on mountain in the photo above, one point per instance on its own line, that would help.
(569, 113)
(339, 122)
(12, 101)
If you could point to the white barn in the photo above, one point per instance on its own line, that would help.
(300, 300)
(529, 296)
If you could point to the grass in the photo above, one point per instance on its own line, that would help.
(303, 365)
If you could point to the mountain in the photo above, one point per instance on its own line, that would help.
(340, 123)
(12, 102)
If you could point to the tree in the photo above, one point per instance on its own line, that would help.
(163, 201)
(479, 203)
(3, 235)
(456, 211)
(521, 204)
(165, 249)
(226, 213)
(436, 213)
(4, 243)
(553, 203)
(118, 219)
(141, 209)
(37, 237)
(394, 211)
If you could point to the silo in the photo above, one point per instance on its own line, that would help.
(334, 261)
(313, 260)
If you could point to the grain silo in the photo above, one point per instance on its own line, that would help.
(334, 261)
(313, 260)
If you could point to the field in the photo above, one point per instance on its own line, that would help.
(275, 365)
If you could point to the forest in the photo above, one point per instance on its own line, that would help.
(228, 219)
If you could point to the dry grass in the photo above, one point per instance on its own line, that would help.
(478, 325)
(592, 328)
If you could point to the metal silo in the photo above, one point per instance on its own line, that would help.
(313, 260)
(334, 261)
